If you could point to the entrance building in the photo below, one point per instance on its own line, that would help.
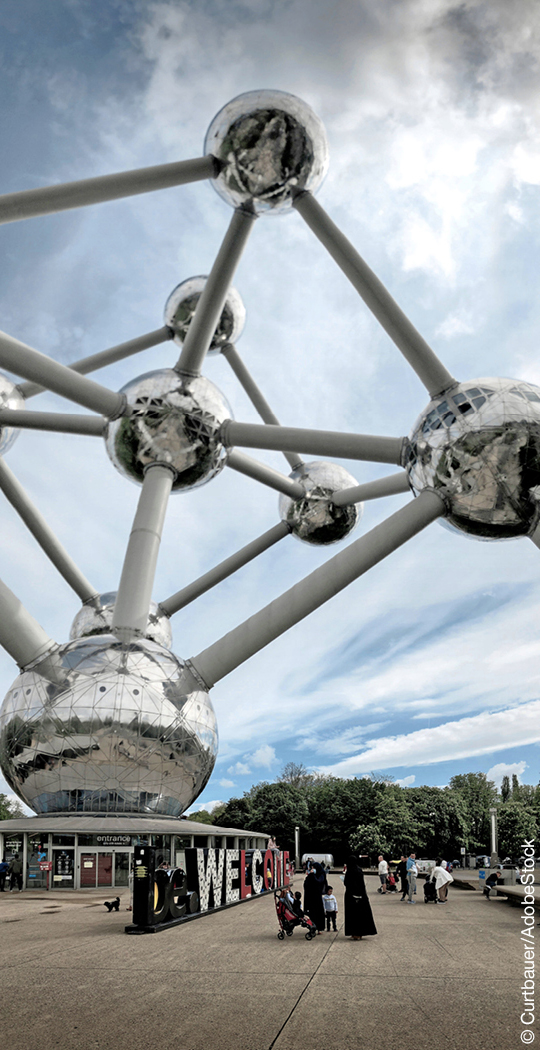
(96, 851)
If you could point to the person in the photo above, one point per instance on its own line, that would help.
(358, 915)
(314, 887)
(383, 872)
(442, 879)
(491, 881)
(330, 908)
(15, 872)
(412, 872)
(271, 844)
(401, 870)
(287, 897)
(297, 905)
(3, 872)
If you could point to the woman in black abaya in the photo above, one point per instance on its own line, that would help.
(314, 887)
(358, 917)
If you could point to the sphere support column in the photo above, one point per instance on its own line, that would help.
(135, 590)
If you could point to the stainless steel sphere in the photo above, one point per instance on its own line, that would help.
(124, 732)
(270, 145)
(176, 421)
(12, 398)
(479, 446)
(95, 619)
(315, 518)
(180, 307)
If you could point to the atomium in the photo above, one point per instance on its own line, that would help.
(479, 446)
(175, 421)
(96, 617)
(315, 518)
(181, 306)
(116, 728)
(270, 145)
(112, 720)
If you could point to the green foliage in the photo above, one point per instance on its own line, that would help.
(517, 822)
(204, 817)
(394, 829)
(477, 794)
(10, 808)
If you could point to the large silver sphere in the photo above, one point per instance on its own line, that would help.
(315, 518)
(271, 145)
(12, 398)
(124, 733)
(175, 422)
(96, 618)
(180, 307)
(479, 446)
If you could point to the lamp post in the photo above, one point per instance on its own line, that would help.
(494, 843)
(297, 848)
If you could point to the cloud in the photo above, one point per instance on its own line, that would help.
(406, 781)
(239, 769)
(505, 769)
(479, 735)
(264, 756)
(226, 783)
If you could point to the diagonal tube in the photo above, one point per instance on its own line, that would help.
(259, 402)
(28, 203)
(33, 365)
(20, 635)
(107, 357)
(259, 630)
(224, 569)
(209, 308)
(316, 442)
(130, 615)
(44, 535)
(60, 422)
(390, 486)
(414, 348)
(266, 475)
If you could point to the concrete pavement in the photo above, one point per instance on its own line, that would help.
(436, 975)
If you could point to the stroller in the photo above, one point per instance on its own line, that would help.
(430, 892)
(288, 920)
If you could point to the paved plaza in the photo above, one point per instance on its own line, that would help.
(436, 975)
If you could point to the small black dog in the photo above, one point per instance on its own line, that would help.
(113, 905)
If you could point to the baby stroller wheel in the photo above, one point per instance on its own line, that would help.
(281, 935)
(289, 933)
(309, 936)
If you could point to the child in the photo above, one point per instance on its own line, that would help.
(330, 909)
(297, 905)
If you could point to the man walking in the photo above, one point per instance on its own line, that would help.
(412, 872)
(401, 870)
(383, 872)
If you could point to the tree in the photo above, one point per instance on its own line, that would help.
(517, 823)
(394, 829)
(477, 794)
(10, 808)
(204, 817)
(297, 774)
(506, 790)
(336, 807)
(442, 820)
(278, 809)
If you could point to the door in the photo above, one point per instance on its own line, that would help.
(88, 869)
(104, 869)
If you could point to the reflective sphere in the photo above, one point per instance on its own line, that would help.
(315, 518)
(479, 446)
(270, 145)
(90, 621)
(175, 422)
(12, 398)
(180, 307)
(125, 731)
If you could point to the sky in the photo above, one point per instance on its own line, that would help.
(428, 666)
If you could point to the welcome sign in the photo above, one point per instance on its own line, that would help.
(213, 878)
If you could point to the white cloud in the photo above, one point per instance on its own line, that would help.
(505, 769)
(239, 769)
(226, 783)
(479, 735)
(406, 781)
(264, 756)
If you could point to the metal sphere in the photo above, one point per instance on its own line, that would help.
(175, 422)
(315, 518)
(180, 307)
(270, 146)
(479, 447)
(12, 398)
(121, 730)
(96, 618)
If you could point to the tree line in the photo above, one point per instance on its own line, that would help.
(373, 815)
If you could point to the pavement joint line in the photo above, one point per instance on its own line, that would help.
(304, 990)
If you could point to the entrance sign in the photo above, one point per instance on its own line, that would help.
(212, 879)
